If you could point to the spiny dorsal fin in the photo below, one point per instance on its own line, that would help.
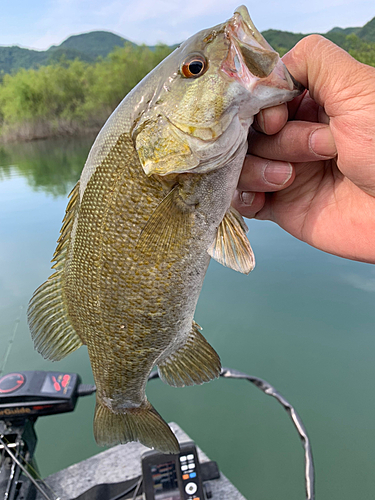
(167, 228)
(231, 246)
(194, 363)
(67, 224)
(54, 336)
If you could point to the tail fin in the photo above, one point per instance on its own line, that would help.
(143, 424)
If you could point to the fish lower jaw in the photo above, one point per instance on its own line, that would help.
(120, 406)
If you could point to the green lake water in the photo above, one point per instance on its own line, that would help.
(303, 320)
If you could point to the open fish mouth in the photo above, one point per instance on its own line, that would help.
(251, 59)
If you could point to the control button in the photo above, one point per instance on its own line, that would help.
(184, 467)
(183, 459)
(186, 476)
(191, 488)
(192, 474)
(191, 466)
(190, 457)
(196, 498)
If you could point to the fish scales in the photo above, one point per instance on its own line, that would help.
(151, 208)
(107, 300)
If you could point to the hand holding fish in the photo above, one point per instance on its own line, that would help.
(327, 198)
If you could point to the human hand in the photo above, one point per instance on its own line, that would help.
(319, 184)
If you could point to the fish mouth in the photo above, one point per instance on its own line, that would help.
(251, 59)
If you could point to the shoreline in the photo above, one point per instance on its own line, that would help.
(44, 129)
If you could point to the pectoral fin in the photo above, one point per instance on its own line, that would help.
(167, 229)
(162, 148)
(231, 246)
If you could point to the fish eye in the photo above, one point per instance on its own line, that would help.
(194, 66)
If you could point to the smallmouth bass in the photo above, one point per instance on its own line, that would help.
(151, 208)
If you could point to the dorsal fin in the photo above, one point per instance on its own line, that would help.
(53, 334)
(67, 225)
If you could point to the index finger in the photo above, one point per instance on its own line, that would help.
(298, 141)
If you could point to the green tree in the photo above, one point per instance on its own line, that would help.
(49, 92)
(119, 72)
(360, 50)
(68, 96)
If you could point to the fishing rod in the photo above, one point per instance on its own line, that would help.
(10, 342)
(25, 396)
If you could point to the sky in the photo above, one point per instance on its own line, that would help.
(39, 24)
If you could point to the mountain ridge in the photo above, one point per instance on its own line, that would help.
(94, 44)
(85, 46)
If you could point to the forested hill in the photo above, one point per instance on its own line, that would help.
(285, 40)
(86, 47)
(89, 46)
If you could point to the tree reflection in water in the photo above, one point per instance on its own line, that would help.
(52, 166)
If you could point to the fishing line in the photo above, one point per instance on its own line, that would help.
(135, 485)
(137, 488)
(5, 444)
(10, 342)
(25, 471)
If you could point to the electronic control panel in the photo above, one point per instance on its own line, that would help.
(29, 394)
(172, 477)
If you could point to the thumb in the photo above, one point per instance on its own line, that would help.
(345, 88)
(324, 68)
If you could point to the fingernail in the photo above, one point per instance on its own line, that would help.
(247, 197)
(277, 172)
(322, 142)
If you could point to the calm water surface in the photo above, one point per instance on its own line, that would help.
(303, 320)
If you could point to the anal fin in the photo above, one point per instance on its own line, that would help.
(231, 247)
(194, 363)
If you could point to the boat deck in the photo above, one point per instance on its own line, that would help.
(121, 463)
